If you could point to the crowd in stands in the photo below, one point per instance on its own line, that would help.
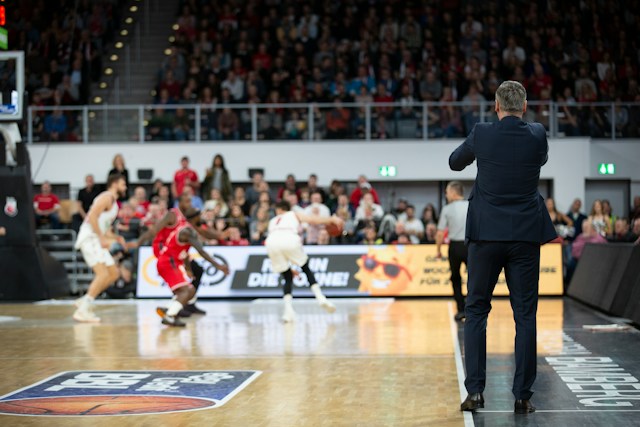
(64, 42)
(333, 53)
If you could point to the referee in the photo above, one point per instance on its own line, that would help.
(454, 217)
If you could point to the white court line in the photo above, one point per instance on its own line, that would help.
(573, 411)
(468, 416)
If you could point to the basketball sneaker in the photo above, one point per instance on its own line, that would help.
(289, 314)
(169, 320)
(85, 314)
(193, 309)
(327, 305)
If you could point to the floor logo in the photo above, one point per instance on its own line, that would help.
(126, 392)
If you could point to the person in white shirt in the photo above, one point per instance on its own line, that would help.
(413, 227)
(368, 209)
(316, 208)
(284, 247)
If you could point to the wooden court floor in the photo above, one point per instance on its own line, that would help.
(374, 362)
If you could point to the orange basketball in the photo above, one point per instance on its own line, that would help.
(102, 405)
(334, 230)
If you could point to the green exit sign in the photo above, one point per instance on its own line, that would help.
(387, 171)
(607, 169)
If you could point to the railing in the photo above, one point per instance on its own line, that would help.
(313, 121)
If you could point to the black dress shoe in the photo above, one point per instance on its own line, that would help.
(523, 406)
(472, 402)
(459, 316)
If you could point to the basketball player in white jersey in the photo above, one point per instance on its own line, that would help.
(284, 247)
(93, 241)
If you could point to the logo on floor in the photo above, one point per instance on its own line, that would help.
(94, 393)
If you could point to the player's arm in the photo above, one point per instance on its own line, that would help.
(166, 220)
(191, 236)
(101, 204)
(212, 233)
(318, 220)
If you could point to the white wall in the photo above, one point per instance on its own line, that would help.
(571, 161)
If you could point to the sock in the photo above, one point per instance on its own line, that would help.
(288, 282)
(315, 288)
(88, 298)
(174, 308)
(192, 300)
(288, 299)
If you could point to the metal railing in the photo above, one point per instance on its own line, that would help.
(315, 121)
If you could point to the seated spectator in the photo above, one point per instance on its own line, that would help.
(363, 186)
(55, 126)
(577, 217)
(196, 201)
(318, 209)
(562, 223)
(142, 203)
(370, 236)
(368, 210)
(234, 239)
(430, 231)
(46, 206)
(181, 125)
(240, 199)
(429, 214)
(413, 227)
(127, 225)
(259, 227)
(290, 185)
(216, 203)
(124, 286)
(160, 127)
(337, 121)
(323, 237)
(621, 232)
(312, 186)
(635, 209)
(292, 198)
(264, 201)
(228, 125)
(589, 235)
(237, 219)
(636, 230)
(155, 213)
(599, 220)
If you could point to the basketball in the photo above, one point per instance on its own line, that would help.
(102, 405)
(334, 230)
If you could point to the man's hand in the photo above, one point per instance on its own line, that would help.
(223, 268)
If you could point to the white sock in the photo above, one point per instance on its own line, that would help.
(192, 301)
(288, 300)
(88, 298)
(315, 288)
(174, 308)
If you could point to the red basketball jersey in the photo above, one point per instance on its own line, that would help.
(174, 248)
(162, 235)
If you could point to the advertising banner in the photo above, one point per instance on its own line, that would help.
(381, 270)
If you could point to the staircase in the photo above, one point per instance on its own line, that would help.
(136, 69)
(60, 245)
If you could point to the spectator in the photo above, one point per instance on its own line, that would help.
(562, 223)
(370, 236)
(621, 232)
(142, 203)
(430, 231)
(264, 201)
(127, 225)
(235, 85)
(218, 177)
(238, 220)
(323, 237)
(47, 207)
(576, 216)
(589, 235)
(118, 167)
(289, 185)
(161, 125)
(312, 186)
(258, 228)
(240, 199)
(635, 209)
(429, 214)
(368, 210)
(636, 230)
(316, 209)
(228, 125)
(257, 183)
(181, 125)
(599, 220)
(216, 203)
(55, 126)
(363, 187)
(337, 121)
(184, 177)
(84, 201)
(196, 201)
(413, 227)
(235, 238)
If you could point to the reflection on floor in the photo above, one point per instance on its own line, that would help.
(374, 362)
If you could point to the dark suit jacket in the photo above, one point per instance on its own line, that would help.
(505, 204)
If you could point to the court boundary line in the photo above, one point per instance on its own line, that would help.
(468, 416)
(483, 411)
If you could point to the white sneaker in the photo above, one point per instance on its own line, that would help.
(327, 305)
(289, 314)
(85, 314)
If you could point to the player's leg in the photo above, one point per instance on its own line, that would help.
(175, 275)
(289, 314)
(317, 292)
(105, 273)
(191, 308)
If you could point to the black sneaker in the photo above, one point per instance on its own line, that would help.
(459, 316)
(194, 310)
(184, 313)
(169, 320)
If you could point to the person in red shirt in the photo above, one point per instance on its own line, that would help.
(173, 266)
(46, 206)
(235, 239)
(363, 187)
(184, 176)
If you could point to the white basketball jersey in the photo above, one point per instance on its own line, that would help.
(286, 222)
(105, 220)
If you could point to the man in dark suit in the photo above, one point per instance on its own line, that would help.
(506, 223)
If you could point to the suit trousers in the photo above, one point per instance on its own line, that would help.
(521, 262)
(457, 255)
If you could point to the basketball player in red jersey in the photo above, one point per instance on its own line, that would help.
(173, 264)
(164, 228)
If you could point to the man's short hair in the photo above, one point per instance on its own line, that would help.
(184, 158)
(457, 187)
(283, 205)
(511, 96)
(114, 177)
